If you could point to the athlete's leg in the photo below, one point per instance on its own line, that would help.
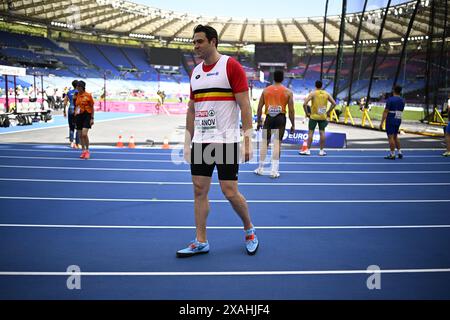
(276, 145)
(392, 142)
(397, 143)
(71, 128)
(447, 141)
(322, 139)
(264, 146)
(310, 138)
(201, 205)
(237, 200)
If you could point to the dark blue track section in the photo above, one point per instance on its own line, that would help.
(184, 176)
(52, 249)
(350, 287)
(154, 250)
(116, 191)
(144, 250)
(180, 214)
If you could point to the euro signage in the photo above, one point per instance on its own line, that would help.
(332, 139)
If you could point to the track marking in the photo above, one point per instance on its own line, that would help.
(284, 149)
(241, 171)
(96, 159)
(240, 183)
(180, 150)
(282, 162)
(226, 201)
(78, 226)
(225, 273)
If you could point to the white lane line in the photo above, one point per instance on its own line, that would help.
(217, 183)
(225, 273)
(226, 201)
(284, 149)
(109, 160)
(96, 151)
(180, 150)
(65, 125)
(78, 226)
(94, 168)
(241, 171)
(281, 162)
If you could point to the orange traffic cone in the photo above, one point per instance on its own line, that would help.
(166, 144)
(304, 147)
(131, 143)
(119, 143)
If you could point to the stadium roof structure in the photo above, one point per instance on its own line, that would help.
(127, 19)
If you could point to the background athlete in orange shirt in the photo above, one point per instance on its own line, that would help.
(84, 112)
(275, 98)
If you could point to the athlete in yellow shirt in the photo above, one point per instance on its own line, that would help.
(318, 115)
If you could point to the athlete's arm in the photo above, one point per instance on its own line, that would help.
(259, 111)
(305, 104)
(385, 114)
(91, 102)
(291, 110)
(190, 117)
(333, 104)
(238, 82)
(246, 117)
(66, 100)
(189, 133)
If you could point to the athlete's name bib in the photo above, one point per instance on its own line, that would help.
(321, 110)
(205, 120)
(274, 110)
(397, 114)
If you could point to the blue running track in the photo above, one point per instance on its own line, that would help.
(121, 216)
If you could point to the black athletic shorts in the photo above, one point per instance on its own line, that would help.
(83, 120)
(273, 123)
(205, 156)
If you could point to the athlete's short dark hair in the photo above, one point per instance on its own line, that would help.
(81, 84)
(318, 84)
(74, 83)
(278, 76)
(397, 89)
(209, 31)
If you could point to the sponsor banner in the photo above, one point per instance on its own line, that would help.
(332, 139)
(12, 71)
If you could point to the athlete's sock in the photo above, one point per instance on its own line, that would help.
(275, 165)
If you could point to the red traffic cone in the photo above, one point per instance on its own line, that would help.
(304, 147)
(119, 143)
(166, 144)
(131, 143)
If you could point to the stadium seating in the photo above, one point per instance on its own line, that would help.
(83, 60)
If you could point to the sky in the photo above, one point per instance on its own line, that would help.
(262, 9)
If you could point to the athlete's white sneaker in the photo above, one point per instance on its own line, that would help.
(259, 171)
(322, 153)
(305, 153)
(274, 174)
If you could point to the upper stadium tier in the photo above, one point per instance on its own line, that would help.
(127, 19)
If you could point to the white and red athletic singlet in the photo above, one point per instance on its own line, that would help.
(216, 111)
